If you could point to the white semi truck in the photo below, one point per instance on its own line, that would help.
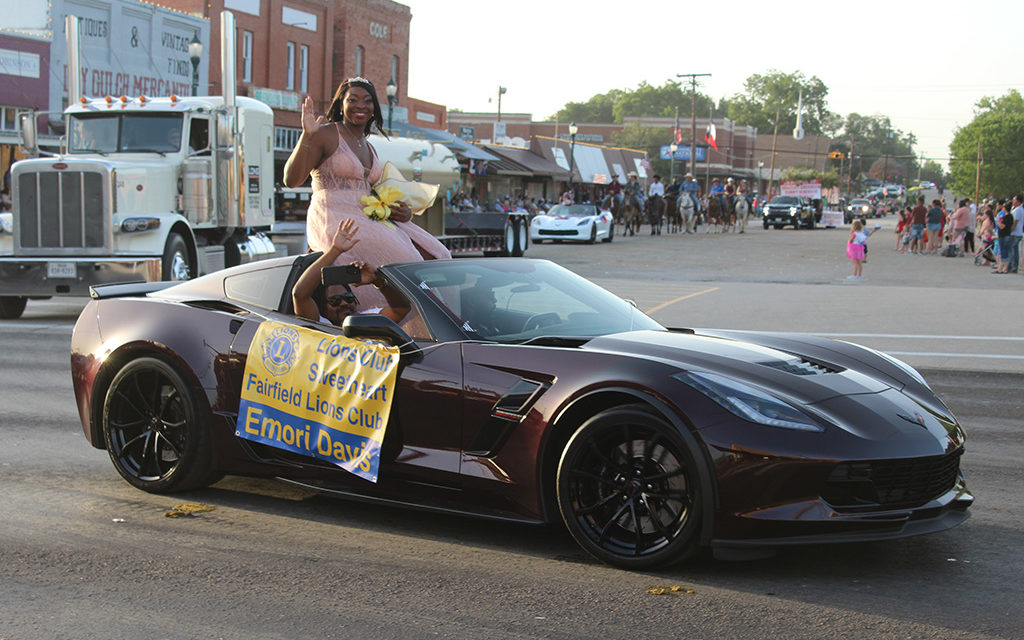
(145, 189)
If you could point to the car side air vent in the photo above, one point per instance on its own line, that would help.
(800, 367)
(216, 305)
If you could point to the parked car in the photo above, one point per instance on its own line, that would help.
(524, 393)
(859, 208)
(789, 210)
(579, 222)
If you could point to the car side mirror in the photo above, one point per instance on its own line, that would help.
(377, 327)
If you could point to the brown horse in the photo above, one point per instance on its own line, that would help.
(655, 206)
(630, 213)
(716, 215)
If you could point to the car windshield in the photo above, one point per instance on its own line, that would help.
(572, 210)
(860, 202)
(125, 133)
(789, 200)
(514, 300)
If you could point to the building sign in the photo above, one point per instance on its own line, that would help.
(467, 133)
(128, 48)
(682, 153)
(276, 99)
(499, 130)
(378, 30)
(593, 138)
(19, 63)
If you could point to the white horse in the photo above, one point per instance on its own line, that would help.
(741, 210)
(687, 212)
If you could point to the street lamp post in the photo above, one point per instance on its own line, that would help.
(501, 92)
(195, 52)
(392, 90)
(572, 152)
(672, 162)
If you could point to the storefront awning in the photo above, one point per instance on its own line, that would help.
(535, 164)
(457, 145)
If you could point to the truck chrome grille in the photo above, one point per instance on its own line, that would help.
(63, 211)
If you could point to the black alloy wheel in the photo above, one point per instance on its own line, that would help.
(628, 490)
(153, 429)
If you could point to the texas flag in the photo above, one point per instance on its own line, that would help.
(710, 135)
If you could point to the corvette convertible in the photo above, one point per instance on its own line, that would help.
(578, 222)
(527, 393)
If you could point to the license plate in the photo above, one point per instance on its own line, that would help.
(61, 270)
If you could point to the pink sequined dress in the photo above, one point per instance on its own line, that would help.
(338, 184)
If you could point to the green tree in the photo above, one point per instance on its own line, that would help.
(828, 179)
(933, 172)
(775, 92)
(645, 100)
(867, 139)
(996, 137)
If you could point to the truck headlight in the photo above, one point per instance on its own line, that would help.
(792, 211)
(135, 225)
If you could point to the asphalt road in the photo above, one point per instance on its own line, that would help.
(84, 555)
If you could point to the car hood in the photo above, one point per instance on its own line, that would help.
(562, 222)
(837, 379)
(806, 369)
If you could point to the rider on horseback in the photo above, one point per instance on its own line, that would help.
(614, 190)
(655, 203)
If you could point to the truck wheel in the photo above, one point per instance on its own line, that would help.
(11, 307)
(175, 265)
(522, 237)
(508, 246)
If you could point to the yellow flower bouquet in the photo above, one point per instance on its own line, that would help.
(392, 188)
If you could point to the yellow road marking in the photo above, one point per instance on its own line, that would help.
(679, 299)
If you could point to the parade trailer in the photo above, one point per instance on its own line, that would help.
(143, 189)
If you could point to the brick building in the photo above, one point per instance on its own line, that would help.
(288, 49)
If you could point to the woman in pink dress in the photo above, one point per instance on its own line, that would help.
(343, 165)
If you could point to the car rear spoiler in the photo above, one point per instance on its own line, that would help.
(127, 289)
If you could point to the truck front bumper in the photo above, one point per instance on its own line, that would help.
(71, 276)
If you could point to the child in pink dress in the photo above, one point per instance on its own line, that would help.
(856, 247)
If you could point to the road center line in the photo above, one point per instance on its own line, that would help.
(917, 336)
(679, 299)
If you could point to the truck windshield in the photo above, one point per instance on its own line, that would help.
(126, 133)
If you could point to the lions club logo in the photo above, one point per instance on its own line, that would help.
(280, 350)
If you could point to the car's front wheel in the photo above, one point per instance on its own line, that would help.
(153, 429)
(628, 490)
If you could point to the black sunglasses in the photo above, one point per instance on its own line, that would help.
(348, 298)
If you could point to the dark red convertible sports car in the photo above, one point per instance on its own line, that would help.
(527, 393)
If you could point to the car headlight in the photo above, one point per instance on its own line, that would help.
(792, 211)
(584, 222)
(749, 403)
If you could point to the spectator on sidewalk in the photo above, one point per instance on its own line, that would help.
(1017, 233)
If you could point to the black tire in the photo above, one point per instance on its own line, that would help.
(593, 234)
(628, 490)
(611, 233)
(176, 264)
(765, 224)
(522, 231)
(11, 307)
(154, 430)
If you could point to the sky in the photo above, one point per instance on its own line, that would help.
(924, 65)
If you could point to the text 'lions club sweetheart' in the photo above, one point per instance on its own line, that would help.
(318, 395)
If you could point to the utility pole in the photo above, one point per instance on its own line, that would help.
(977, 173)
(771, 165)
(693, 116)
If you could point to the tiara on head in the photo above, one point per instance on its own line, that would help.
(358, 79)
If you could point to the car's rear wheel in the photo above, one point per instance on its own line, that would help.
(628, 490)
(153, 429)
(593, 234)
